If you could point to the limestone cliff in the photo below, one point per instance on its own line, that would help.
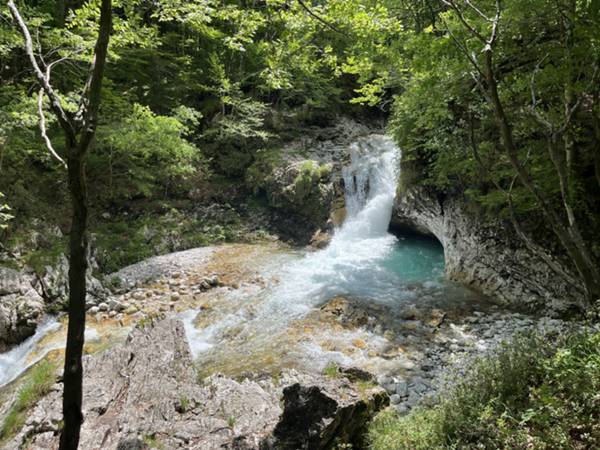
(482, 253)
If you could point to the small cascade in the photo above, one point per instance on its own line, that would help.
(20, 358)
(349, 263)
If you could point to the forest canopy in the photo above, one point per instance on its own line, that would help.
(194, 89)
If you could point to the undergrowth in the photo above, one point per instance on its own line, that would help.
(532, 394)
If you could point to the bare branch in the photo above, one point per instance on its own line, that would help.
(495, 23)
(452, 4)
(55, 102)
(477, 10)
(42, 124)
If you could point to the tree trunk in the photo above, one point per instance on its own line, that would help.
(60, 13)
(568, 237)
(73, 370)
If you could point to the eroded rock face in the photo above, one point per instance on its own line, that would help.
(303, 183)
(21, 307)
(484, 254)
(146, 391)
(54, 284)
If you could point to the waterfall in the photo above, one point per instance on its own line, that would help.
(352, 264)
(348, 265)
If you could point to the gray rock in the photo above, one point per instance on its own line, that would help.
(395, 399)
(402, 389)
(21, 307)
(484, 254)
(132, 391)
(162, 266)
(53, 286)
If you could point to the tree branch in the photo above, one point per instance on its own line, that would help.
(452, 4)
(92, 101)
(320, 19)
(42, 122)
(55, 102)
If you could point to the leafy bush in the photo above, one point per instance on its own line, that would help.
(530, 395)
(144, 154)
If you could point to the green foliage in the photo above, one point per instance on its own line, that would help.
(38, 383)
(529, 395)
(130, 152)
(331, 371)
(125, 241)
(152, 442)
(184, 404)
(259, 174)
(440, 115)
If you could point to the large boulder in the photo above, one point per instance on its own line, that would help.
(146, 392)
(302, 181)
(21, 307)
(326, 414)
(304, 188)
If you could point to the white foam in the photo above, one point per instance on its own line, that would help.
(348, 265)
(17, 360)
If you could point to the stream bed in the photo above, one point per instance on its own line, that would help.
(370, 299)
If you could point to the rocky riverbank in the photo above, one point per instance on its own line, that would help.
(145, 393)
(149, 389)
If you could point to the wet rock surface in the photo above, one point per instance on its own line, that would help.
(158, 267)
(147, 391)
(305, 187)
(426, 343)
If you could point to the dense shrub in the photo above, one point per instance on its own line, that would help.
(531, 394)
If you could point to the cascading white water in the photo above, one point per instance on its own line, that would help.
(20, 358)
(349, 265)
(17, 360)
(353, 264)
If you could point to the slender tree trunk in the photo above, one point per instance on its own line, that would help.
(79, 130)
(596, 123)
(73, 370)
(60, 13)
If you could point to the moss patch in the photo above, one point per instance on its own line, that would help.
(39, 382)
